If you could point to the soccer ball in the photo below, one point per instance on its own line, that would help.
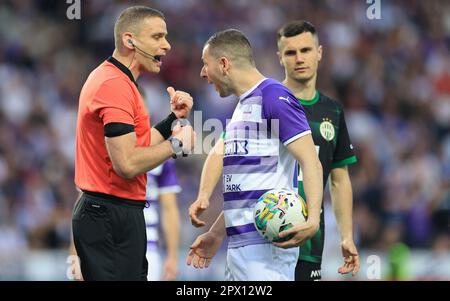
(278, 210)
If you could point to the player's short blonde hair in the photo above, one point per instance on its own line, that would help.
(130, 19)
(232, 44)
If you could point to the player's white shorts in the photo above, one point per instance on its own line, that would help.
(154, 265)
(262, 262)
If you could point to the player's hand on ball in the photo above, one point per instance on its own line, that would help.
(297, 235)
(180, 102)
(203, 250)
(351, 258)
(196, 209)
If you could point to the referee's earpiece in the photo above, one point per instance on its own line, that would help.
(130, 41)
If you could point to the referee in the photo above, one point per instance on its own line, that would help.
(116, 146)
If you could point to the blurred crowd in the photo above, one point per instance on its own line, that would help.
(392, 76)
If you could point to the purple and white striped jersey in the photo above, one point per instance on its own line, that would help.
(161, 179)
(255, 161)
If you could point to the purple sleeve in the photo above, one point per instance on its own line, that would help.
(279, 103)
(168, 176)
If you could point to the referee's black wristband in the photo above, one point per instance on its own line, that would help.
(165, 127)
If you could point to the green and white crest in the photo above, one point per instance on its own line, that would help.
(327, 130)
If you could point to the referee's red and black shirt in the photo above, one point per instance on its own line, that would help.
(109, 95)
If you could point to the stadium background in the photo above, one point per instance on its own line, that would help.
(392, 75)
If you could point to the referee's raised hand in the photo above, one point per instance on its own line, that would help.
(180, 102)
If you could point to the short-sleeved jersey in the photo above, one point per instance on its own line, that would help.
(254, 160)
(327, 122)
(160, 180)
(109, 95)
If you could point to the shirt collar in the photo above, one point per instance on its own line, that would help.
(122, 68)
(311, 101)
(243, 96)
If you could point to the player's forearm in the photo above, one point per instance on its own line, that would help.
(342, 202)
(170, 223)
(218, 228)
(305, 153)
(212, 171)
(313, 185)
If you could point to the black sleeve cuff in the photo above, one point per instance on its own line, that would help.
(165, 126)
(115, 129)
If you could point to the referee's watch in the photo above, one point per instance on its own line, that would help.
(177, 147)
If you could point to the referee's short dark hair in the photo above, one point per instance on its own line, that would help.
(294, 28)
(232, 44)
(130, 19)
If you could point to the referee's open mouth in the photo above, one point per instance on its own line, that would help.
(157, 58)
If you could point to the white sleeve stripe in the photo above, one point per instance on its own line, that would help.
(169, 189)
(296, 137)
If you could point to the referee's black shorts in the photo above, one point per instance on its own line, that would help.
(110, 237)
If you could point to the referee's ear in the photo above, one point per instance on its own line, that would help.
(126, 38)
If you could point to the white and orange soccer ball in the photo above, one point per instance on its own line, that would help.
(278, 210)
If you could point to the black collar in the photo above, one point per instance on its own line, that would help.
(122, 68)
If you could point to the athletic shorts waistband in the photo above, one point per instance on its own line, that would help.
(111, 199)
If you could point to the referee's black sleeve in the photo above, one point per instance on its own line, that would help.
(115, 129)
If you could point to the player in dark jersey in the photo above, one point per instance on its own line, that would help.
(299, 53)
